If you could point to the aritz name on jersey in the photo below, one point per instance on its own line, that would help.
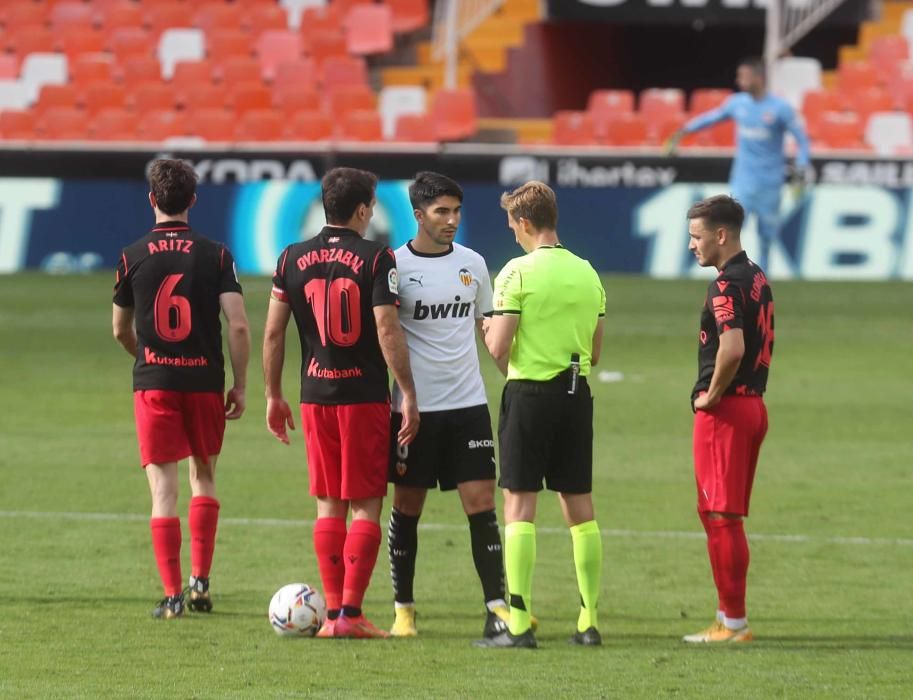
(328, 255)
(454, 309)
(166, 245)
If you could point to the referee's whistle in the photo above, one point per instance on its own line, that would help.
(575, 373)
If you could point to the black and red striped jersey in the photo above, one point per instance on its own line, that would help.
(740, 297)
(172, 278)
(332, 283)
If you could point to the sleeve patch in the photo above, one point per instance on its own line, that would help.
(723, 309)
(393, 281)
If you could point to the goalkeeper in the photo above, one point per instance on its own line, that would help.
(759, 166)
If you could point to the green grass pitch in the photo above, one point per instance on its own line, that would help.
(829, 586)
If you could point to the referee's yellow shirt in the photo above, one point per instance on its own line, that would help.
(559, 299)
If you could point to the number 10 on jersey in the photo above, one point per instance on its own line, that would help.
(336, 305)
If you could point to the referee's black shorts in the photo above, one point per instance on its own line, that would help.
(546, 433)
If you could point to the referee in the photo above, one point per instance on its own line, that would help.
(545, 335)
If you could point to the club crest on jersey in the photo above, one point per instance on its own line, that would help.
(393, 281)
(333, 239)
(465, 277)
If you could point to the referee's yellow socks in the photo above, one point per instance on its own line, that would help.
(519, 561)
(588, 563)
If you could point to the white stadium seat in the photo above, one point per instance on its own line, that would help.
(397, 100)
(886, 132)
(793, 76)
(295, 8)
(180, 45)
(40, 69)
(13, 95)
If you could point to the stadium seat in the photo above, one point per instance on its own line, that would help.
(226, 43)
(72, 16)
(125, 42)
(163, 15)
(856, 75)
(815, 103)
(13, 95)
(217, 15)
(346, 98)
(261, 125)
(656, 103)
(842, 130)
(628, 130)
(706, 99)
(660, 129)
(180, 45)
(263, 17)
(324, 46)
(9, 67)
(30, 39)
(250, 96)
(192, 74)
(416, 128)
(236, 70)
(870, 100)
(889, 133)
(148, 97)
(277, 46)
(65, 124)
(906, 25)
(199, 97)
(409, 15)
(361, 125)
(121, 14)
(57, 96)
(309, 126)
(343, 70)
(104, 95)
(573, 129)
(603, 104)
(454, 113)
(887, 52)
(291, 98)
(140, 69)
(23, 13)
(212, 124)
(77, 43)
(295, 9)
(395, 101)
(299, 73)
(369, 30)
(91, 67)
(112, 124)
(39, 69)
(793, 76)
(16, 124)
(161, 125)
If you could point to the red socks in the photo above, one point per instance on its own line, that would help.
(705, 521)
(203, 516)
(729, 557)
(166, 543)
(329, 542)
(360, 553)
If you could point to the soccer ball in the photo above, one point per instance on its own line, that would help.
(297, 610)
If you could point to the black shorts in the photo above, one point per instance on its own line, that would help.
(546, 433)
(451, 447)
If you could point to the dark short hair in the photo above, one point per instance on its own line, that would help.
(428, 186)
(343, 189)
(719, 211)
(173, 183)
(756, 63)
(536, 202)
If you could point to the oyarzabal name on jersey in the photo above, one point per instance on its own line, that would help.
(318, 372)
(328, 255)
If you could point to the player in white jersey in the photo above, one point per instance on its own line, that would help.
(444, 291)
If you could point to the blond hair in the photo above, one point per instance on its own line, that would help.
(536, 202)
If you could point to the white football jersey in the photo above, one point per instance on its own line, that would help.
(440, 297)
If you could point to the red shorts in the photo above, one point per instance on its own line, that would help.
(727, 440)
(172, 425)
(348, 448)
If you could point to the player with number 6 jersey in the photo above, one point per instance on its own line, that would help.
(730, 421)
(171, 285)
(342, 290)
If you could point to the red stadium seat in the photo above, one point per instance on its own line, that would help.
(277, 46)
(409, 15)
(706, 99)
(887, 52)
(226, 43)
(217, 15)
(656, 103)
(301, 72)
(164, 15)
(454, 113)
(261, 125)
(316, 21)
(203, 97)
(77, 43)
(628, 130)
(246, 97)
(17, 125)
(149, 97)
(90, 68)
(9, 67)
(361, 125)
(873, 99)
(369, 30)
(346, 98)
(113, 124)
(262, 17)
(236, 70)
(212, 124)
(121, 14)
(131, 42)
(138, 69)
(815, 103)
(57, 96)
(98, 96)
(603, 104)
(343, 70)
(65, 124)
(71, 16)
(323, 46)
(290, 98)
(660, 129)
(573, 129)
(309, 126)
(841, 130)
(189, 75)
(160, 125)
(31, 39)
(417, 128)
(856, 75)
(23, 13)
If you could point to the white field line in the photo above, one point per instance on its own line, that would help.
(622, 534)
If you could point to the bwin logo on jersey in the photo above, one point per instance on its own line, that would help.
(454, 309)
(465, 277)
